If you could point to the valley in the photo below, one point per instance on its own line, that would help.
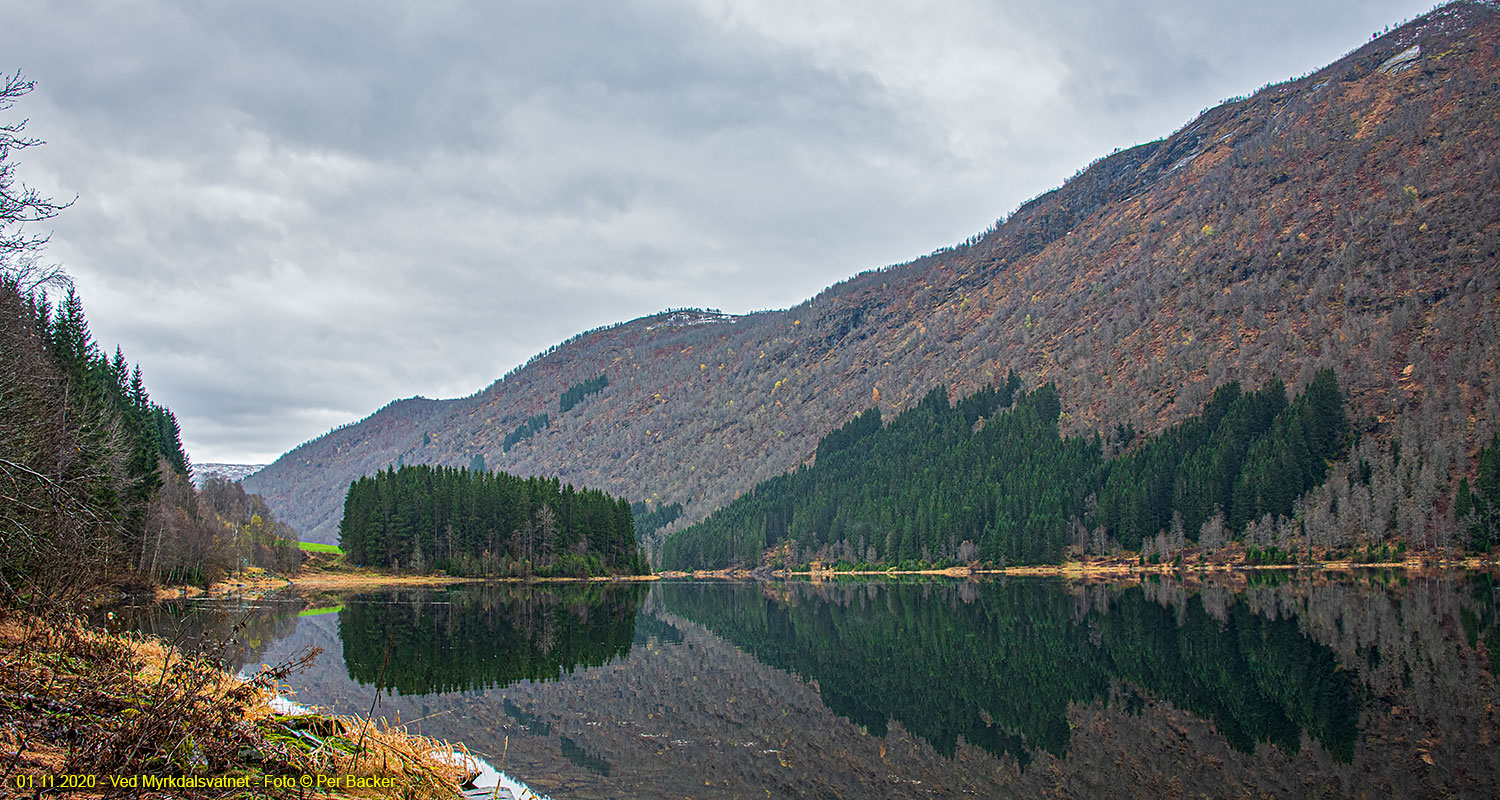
(1343, 220)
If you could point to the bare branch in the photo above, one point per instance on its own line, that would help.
(19, 203)
(27, 274)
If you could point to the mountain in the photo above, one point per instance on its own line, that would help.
(229, 472)
(1347, 219)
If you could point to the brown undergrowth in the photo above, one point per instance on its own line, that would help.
(79, 700)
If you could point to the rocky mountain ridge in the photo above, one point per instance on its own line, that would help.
(1346, 219)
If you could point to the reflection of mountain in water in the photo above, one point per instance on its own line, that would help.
(1000, 664)
(475, 638)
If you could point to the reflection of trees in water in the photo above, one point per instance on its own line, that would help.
(1259, 679)
(580, 755)
(238, 631)
(478, 637)
(649, 626)
(1480, 621)
(1000, 664)
(944, 668)
(1417, 647)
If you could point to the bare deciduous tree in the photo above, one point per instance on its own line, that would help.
(19, 204)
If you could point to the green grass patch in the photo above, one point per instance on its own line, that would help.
(313, 612)
(320, 548)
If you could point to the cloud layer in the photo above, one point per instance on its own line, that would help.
(292, 213)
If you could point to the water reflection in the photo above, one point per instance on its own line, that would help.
(237, 631)
(1000, 665)
(424, 642)
(1283, 686)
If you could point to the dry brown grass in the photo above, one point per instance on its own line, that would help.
(78, 699)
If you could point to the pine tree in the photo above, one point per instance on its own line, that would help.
(1479, 507)
(466, 522)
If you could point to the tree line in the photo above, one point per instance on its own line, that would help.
(466, 523)
(94, 480)
(648, 519)
(522, 432)
(576, 393)
(1246, 455)
(93, 475)
(1477, 509)
(94, 486)
(570, 397)
(990, 480)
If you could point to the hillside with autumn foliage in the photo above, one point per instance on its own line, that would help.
(1345, 220)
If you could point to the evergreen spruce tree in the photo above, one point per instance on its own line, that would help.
(474, 523)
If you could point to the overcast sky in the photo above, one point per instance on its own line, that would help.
(291, 213)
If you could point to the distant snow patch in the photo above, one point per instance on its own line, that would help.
(683, 319)
(229, 472)
(1404, 60)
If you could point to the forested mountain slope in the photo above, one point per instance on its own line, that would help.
(1347, 219)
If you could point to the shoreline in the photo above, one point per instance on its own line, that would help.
(1088, 570)
(127, 694)
(349, 580)
(1099, 569)
(330, 580)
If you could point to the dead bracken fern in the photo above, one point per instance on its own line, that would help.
(77, 699)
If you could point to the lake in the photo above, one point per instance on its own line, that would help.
(1274, 684)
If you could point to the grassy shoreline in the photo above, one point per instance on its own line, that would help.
(96, 713)
(1103, 568)
(334, 576)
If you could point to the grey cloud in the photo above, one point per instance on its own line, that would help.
(292, 213)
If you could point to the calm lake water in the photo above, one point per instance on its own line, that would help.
(1376, 684)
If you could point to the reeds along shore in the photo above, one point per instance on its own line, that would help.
(102, 710)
